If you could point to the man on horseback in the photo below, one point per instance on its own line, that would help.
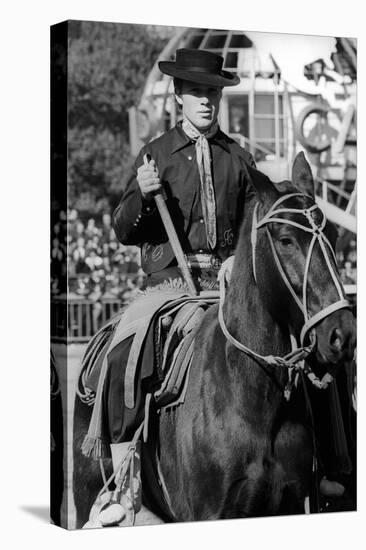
(202, 171)
(205, 179)
(203, 174)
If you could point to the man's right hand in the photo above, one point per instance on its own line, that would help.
(148, 178)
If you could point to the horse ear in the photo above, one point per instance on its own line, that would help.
(302, 176)
(263, 187)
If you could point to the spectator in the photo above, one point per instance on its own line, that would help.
(107, 229)
(83, 287)
(79, 257)
(91, 229)
(93, 261)
(79, 228)
(106, 264)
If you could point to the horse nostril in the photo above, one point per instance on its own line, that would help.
(336, 339)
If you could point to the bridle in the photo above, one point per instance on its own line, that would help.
(316, 229)
(298, 354)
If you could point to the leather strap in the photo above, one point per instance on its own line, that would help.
(297, 356)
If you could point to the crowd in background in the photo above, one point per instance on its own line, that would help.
(98, 267)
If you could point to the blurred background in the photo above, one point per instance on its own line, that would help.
(296, 93)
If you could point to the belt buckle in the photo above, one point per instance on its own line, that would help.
(203, 261)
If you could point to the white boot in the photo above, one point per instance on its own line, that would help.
(115, 512)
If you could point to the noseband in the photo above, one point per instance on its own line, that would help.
(316, 229)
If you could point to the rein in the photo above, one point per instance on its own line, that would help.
(295, 359)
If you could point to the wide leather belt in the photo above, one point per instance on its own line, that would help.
(203, 261)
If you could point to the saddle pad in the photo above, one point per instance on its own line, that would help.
(140, 311)
(137, 321)
(174, 381)
(176, 331)
(144, 334)
(92, 362)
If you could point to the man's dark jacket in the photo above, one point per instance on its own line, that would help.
(137, 222)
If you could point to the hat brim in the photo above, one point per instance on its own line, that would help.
(224, 78)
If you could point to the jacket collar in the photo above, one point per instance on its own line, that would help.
(181, 140)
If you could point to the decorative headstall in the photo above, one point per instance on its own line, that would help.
(298, 354)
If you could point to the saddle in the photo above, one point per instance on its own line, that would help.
(163, 326)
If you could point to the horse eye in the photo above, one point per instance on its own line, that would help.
(285, 241)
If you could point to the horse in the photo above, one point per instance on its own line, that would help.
(237, 447)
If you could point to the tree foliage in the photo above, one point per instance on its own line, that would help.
(108, 64)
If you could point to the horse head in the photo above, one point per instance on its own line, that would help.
(293, 252)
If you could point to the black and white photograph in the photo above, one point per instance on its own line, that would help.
(182, 254)
(203, 274)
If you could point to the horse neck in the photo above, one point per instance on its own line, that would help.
(256, 388)
(246, 314)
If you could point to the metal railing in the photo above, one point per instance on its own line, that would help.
(341, 208)
(251, 143)
(77, 320)
(327, 187)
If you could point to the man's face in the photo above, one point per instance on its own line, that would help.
(200, 103)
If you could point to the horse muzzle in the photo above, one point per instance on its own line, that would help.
(336, 338)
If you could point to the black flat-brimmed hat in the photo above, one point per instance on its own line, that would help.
(199, 66)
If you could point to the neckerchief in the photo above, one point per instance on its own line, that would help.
(203, 158)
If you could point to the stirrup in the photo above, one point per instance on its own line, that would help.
(108, 512)
(117, 512)
(119, 507)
